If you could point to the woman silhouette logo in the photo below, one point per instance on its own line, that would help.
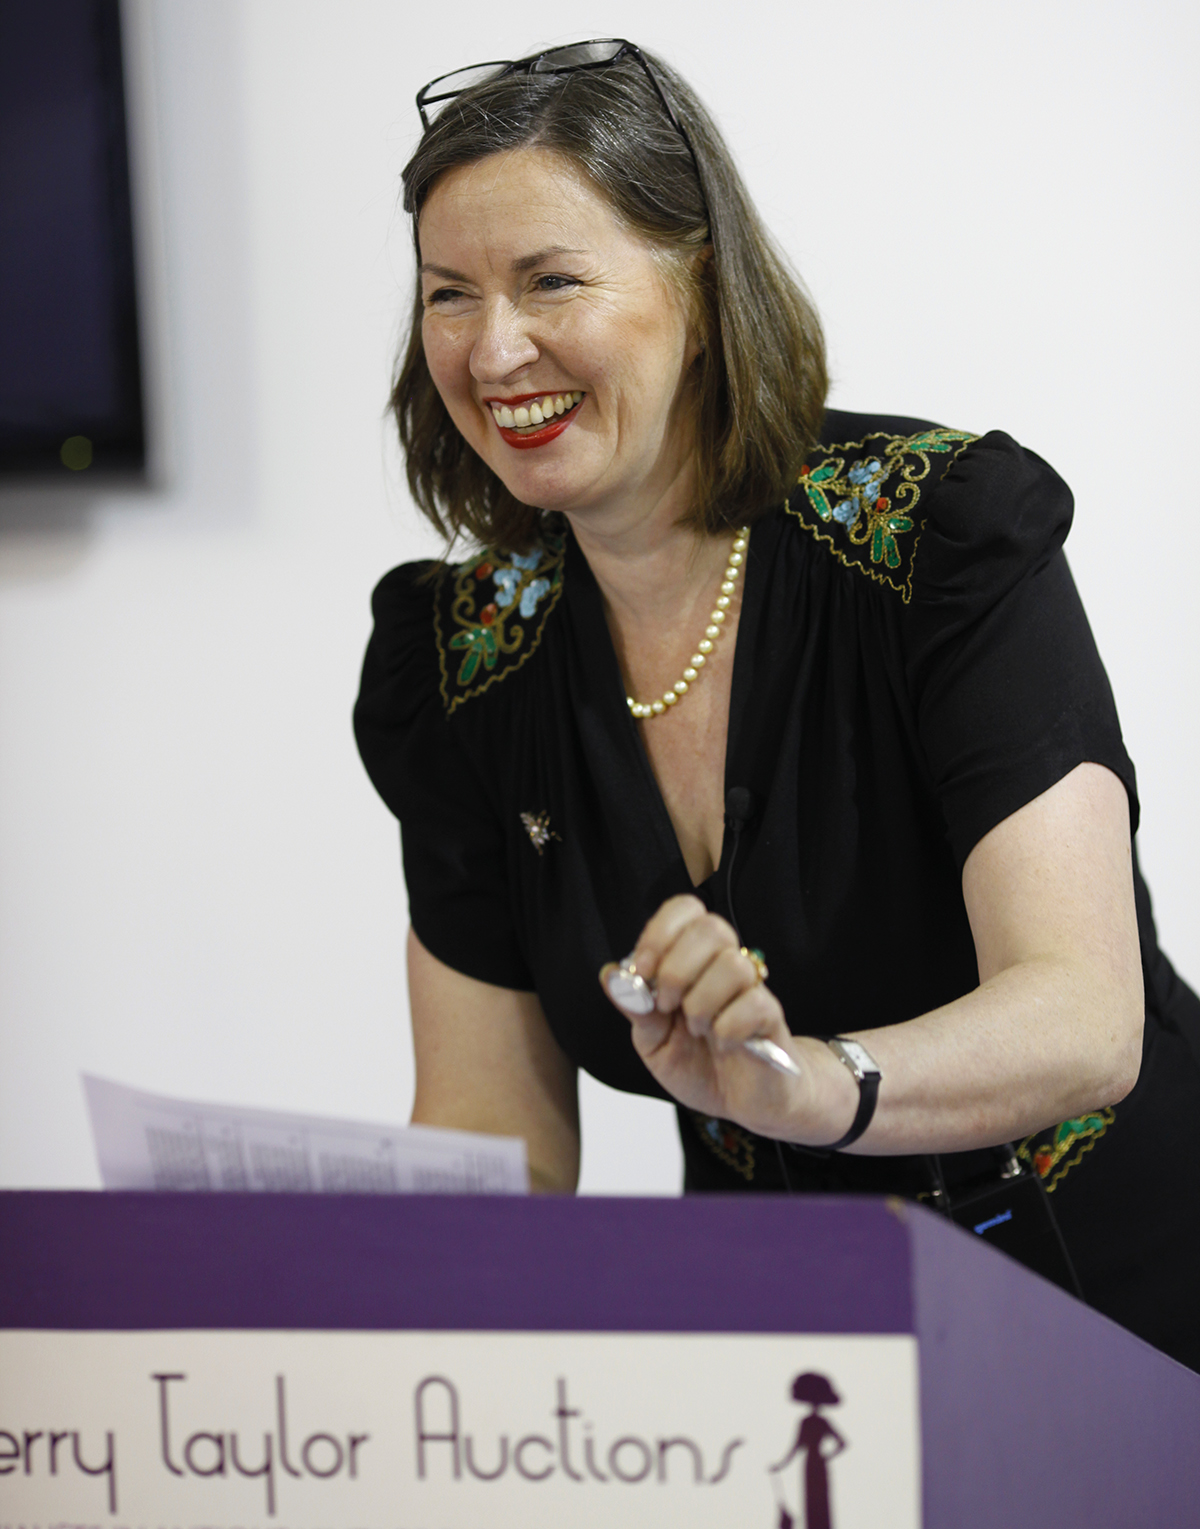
(815, 1432)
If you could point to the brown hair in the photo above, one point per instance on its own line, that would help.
(760, 381)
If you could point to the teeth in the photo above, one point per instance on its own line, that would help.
(535, 413)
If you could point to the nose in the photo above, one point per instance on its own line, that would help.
(503, 343)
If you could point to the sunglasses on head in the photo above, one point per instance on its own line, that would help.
(569, 59)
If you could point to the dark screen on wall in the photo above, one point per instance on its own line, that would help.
(70, 378)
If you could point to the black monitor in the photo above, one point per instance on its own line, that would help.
(70, 370)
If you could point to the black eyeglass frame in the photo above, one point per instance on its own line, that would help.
(535, 64)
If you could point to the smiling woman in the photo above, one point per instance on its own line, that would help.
(526, 274)
(758, 381)
(727, 665)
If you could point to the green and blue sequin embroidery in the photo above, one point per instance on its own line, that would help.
(730, 1143)
(498, 606)
(1053, 1154)
(860, 498)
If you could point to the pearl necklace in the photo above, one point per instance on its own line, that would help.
(716, 624)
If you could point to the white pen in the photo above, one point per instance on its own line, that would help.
(637, 995)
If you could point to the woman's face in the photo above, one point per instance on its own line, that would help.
(533, 290)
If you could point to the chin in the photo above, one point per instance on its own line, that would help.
(546, 489)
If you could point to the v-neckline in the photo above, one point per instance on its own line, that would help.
(614, 697)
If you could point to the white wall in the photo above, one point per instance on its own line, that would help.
(199, 893)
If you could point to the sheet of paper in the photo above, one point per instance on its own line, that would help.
(147, 1141)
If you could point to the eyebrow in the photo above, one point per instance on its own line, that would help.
(525, 263)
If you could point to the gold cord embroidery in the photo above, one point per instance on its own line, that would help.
(494, 595)
(730, 1143)
(873, 531)
(1083, 1133)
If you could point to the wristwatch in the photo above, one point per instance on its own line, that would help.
(865, 1069)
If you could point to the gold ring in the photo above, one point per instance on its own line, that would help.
(758, 961)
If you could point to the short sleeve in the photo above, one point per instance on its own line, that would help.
(455, 860)
(1009, 689)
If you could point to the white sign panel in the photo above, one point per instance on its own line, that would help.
(225, 1430)
(149, 1141)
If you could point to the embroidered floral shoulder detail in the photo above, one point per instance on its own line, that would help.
(730, 1143)
(489, 615)
(861, 499)
(1053, 1153)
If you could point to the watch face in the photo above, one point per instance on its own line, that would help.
(858, 1056)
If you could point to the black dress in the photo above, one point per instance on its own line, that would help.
(912, 666)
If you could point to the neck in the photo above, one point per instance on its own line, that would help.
(650, 569)
(667, 606)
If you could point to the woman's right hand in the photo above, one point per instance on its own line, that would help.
(709, 1002)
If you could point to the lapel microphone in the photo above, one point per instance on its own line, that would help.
(739, 808)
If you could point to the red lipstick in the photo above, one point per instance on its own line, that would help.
(525, 440)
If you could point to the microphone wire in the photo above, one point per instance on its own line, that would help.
(739, 809)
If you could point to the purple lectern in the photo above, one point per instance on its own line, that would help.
(1032, 1409)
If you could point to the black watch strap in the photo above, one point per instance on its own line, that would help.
(858, 1060)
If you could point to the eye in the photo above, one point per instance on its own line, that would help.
(550, 283)
(442, 297)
